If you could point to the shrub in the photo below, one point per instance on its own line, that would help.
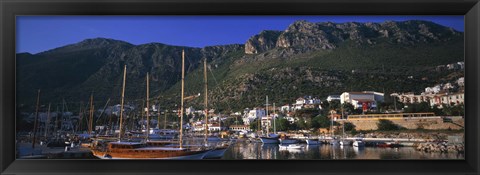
(387, 125)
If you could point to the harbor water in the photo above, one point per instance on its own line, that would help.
(244, 150)
(241, 150)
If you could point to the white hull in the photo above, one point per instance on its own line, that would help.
(358, 144)
(313, 142)
(268, 140)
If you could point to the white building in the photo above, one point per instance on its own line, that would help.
(461, 82)
(239, 128)
(333, 97)
(412, 98)
(299, 103)
(448, 99)
(358, 99)
(306, 102)
(448, 86)
(267, 122)
(285, 108)
(253, 114)
(201, 127)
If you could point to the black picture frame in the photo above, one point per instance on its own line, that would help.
(11, 8)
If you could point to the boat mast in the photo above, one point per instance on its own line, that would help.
(47, 120)
(181, 102)
(56, 123)
(79, 125)
(266, 105)
(343, 127)
(158, 117)
(121, 104)
(147, 109)
(331, 121)
(274, 128)
(206, 98)
(165, 120)
(90, 125)
(35, 123)
(141, 113)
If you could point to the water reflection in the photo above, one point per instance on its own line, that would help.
(243, 150)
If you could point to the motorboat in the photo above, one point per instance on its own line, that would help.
(358, 143)
(313, 142)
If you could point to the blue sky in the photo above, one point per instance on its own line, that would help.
(40, 33)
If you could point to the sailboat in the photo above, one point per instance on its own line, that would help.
(334, 141)
(269, 139)
(344, 142)
(144, 150)
(219, 150)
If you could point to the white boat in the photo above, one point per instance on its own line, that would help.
(358, 143)
(269, 140)
(291, 146)
(163, 134)
(289, 141)
(313, 142)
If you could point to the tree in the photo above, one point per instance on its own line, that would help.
(303, 124)
(254, 125)
(418, 107)
(282, 124)
(349, 126)
(321, 121)
(347, 107)
(457, 110)
(388, 125)
(334, 105)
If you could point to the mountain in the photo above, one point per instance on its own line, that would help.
(317, 59)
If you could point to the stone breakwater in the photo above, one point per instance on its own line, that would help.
(441, 147)
(413, 135)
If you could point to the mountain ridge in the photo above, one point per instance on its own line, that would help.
(95, 65)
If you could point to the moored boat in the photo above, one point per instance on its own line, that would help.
(136, 150)
(269, 140)
(313, 142)
(288, 141)
(358, 143)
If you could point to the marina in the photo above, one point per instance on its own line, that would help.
(164, 109)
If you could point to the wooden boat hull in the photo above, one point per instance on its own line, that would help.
(149, 154)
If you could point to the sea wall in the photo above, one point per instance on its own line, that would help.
(428, 123)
